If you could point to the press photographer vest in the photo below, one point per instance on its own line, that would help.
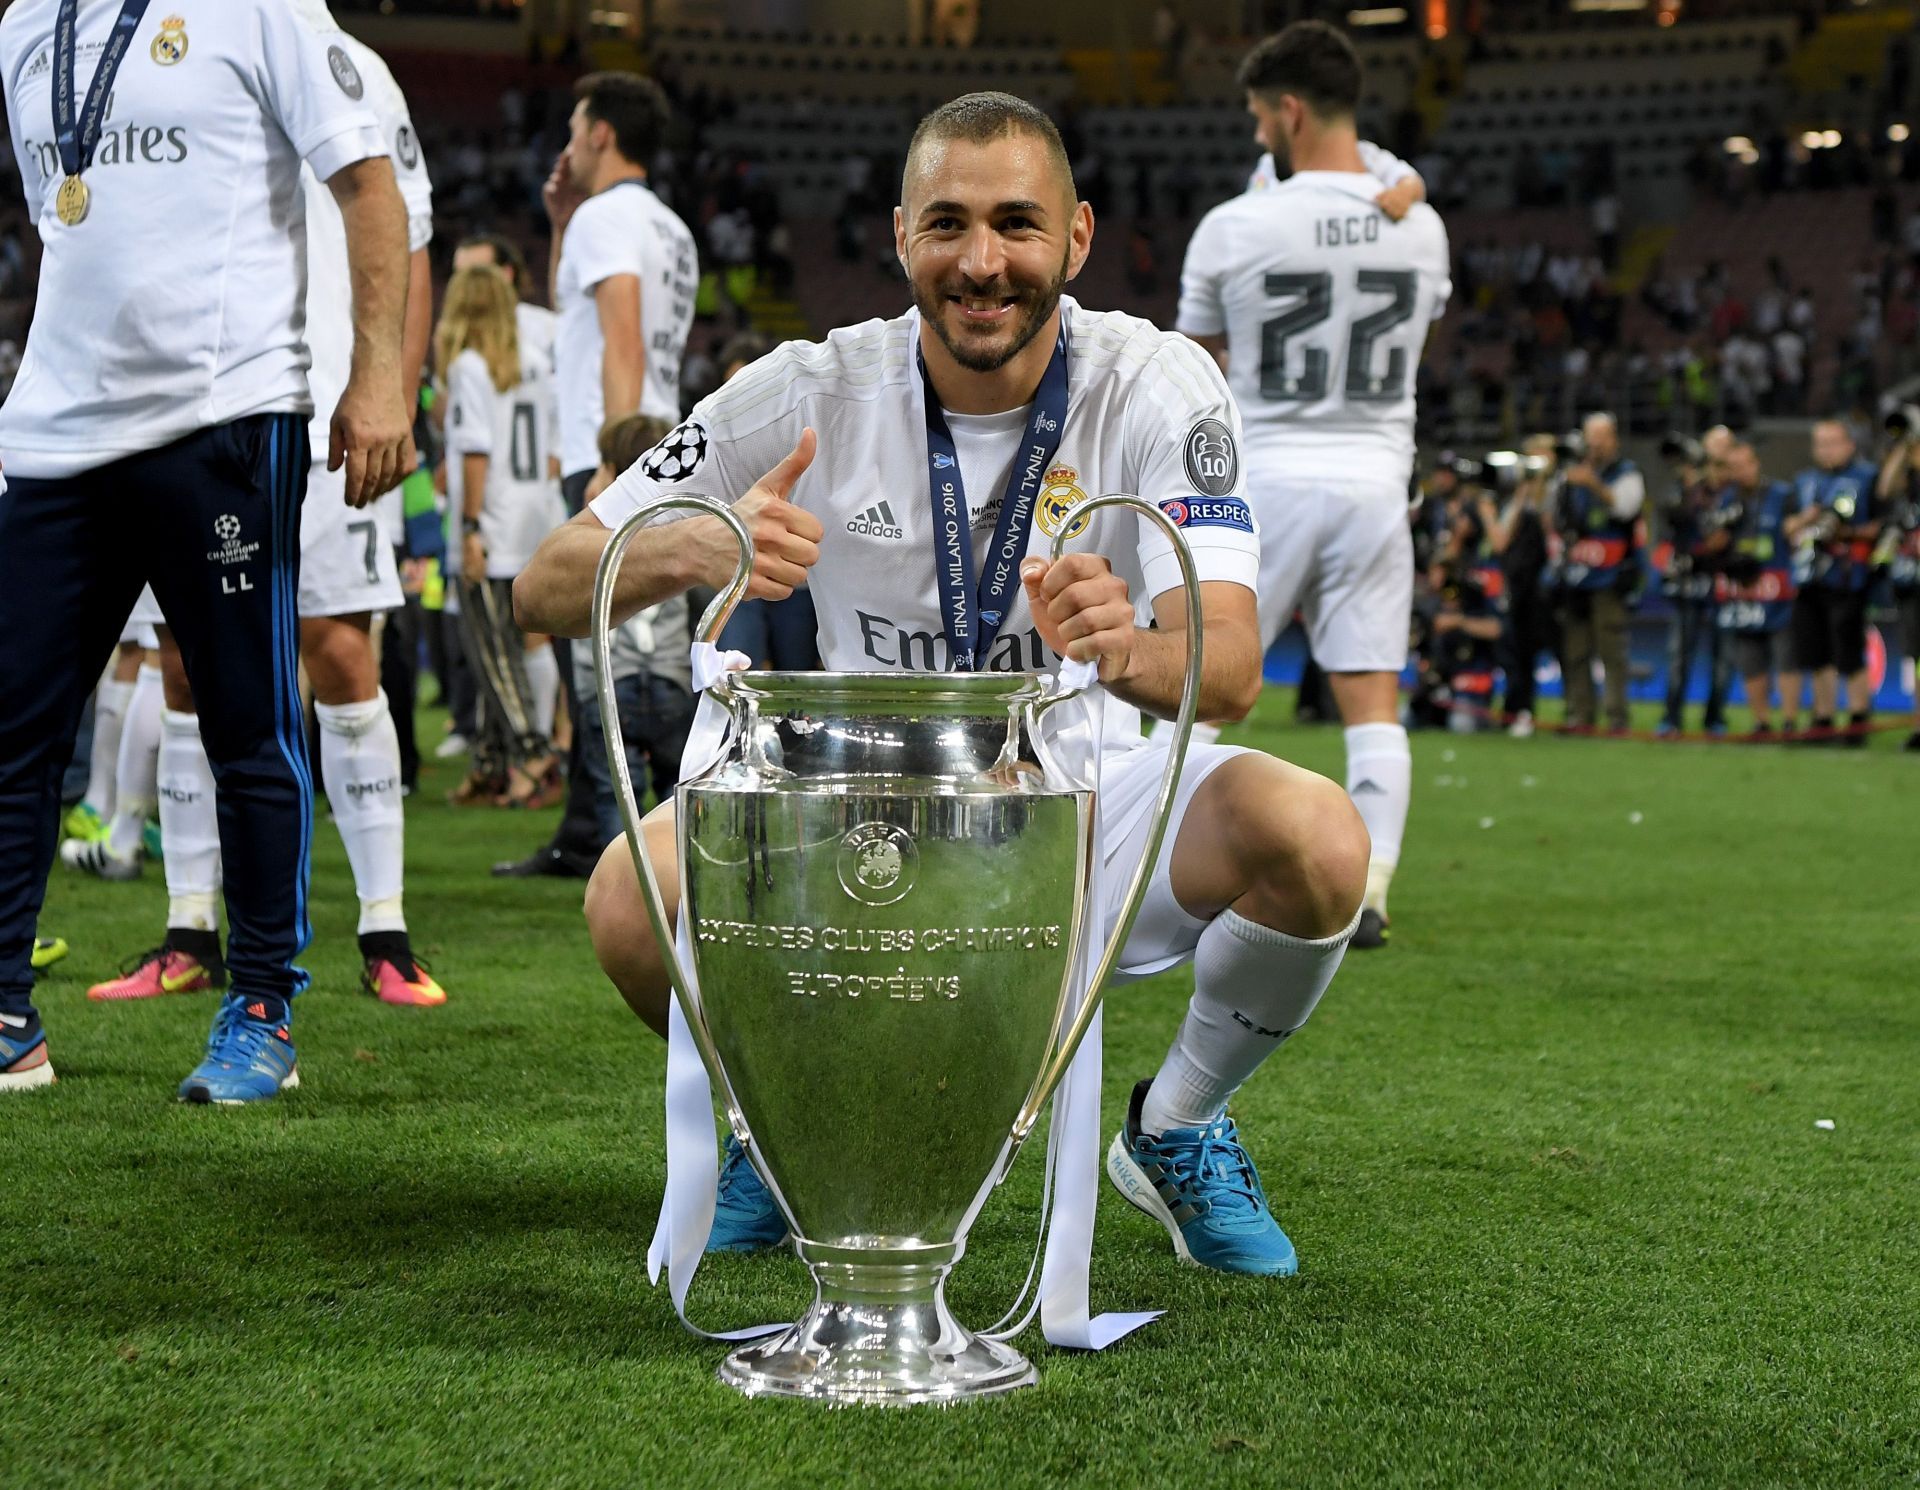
(1843, 565)
(1599, 546)
(1758, 595)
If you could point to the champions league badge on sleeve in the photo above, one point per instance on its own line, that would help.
(677, 456)
(1213, 465)
(1208, 512)
(345, 73)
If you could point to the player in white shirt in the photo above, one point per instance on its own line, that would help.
(624, 269)
(1260, 879)
(1318, 304)
(500, 420)
(347, 572)
(624, 273)
(158, 433)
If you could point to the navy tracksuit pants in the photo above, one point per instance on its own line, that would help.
(212, 521)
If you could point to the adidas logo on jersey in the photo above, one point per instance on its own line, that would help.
(876, 522)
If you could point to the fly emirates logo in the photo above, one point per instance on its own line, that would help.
(120, 144)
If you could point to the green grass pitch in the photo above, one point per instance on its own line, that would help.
(1551, 1163)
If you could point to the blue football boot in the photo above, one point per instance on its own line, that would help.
(250, 1056)
(1201, 1185)
(745, 1219)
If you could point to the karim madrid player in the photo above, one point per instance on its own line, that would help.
(1033, 401)
(347, 572)
(1318, 304)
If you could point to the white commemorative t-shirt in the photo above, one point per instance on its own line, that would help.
(522, 503)
(536, 325)
(1325, 303)
(1147, 412)
(329, 280)
(175, 304)
(625, 229)
(1383, 165)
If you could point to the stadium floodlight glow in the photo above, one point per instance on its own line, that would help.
(1379, 15)
(1898, 133)
(1581, 7)
(1830, 138)
(1812, 139)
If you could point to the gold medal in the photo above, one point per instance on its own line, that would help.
(71, 201)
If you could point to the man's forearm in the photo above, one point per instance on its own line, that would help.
(1157, 672)
(621, 378)
(419, 322)
(378, 263)
(554, 593)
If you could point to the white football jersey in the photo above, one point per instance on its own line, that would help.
(175, 304)
(625, 229)
(513, 430)
(329, 282)
(1325, 303)
(536, 324)
(1147, 412)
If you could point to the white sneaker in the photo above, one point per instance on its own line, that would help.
(94, 857)
(447, 749)
(1522, 726)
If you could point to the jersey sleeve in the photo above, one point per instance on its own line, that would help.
(469, 406)
(1383, 165)
(598, 250)
(1203, 310)
(1183, 454)
(313, 89)
(416, 189)
(1439, 270)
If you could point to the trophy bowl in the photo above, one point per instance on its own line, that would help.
(887, 884)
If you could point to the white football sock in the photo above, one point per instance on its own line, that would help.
(189, 825)
(135, 770)
(543, 684)
(109, 714)
(360, 755)
(1203, 734)
(1252, 988)
(1380, 781)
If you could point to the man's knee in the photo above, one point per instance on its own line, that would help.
(337, 652)
(1304, 850)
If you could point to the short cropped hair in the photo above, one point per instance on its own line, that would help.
(980, 118)
(633, 105)
(1311, 60)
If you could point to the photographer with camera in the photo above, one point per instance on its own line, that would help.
(1834, 533)
(1744, 540)
(1595, 517)
(1515, 523)
(1699, 475)
(1462, 644)
(1899, 491)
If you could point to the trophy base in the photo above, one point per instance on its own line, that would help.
(882, 1344)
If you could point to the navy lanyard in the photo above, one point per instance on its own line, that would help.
(76, 141)
(971, 610)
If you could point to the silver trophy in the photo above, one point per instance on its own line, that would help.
(888, 879)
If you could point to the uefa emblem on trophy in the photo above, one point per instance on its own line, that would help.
(887, 878)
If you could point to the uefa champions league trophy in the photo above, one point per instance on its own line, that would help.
(888, 876)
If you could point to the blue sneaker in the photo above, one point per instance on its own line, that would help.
(1201, 1185)
(23, 1053)
(745, 1219)
(249, 1057)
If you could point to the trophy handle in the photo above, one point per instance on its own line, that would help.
(1056, 1068)
(710, 626)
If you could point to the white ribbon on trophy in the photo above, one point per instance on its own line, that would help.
(1072, 1165)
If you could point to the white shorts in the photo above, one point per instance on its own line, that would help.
(1342, 553)
(146, 615)
(346, 554)
(1163, 934)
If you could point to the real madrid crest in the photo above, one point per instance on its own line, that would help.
(1057, 498)
(171, 44)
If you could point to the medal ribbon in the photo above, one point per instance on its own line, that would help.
(77, 139)
(972, 611)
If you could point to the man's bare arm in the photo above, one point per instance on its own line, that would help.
(554, 593)
(419, 324)
(371, 433)
(623, 366)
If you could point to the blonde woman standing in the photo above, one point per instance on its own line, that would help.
(499, 432)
